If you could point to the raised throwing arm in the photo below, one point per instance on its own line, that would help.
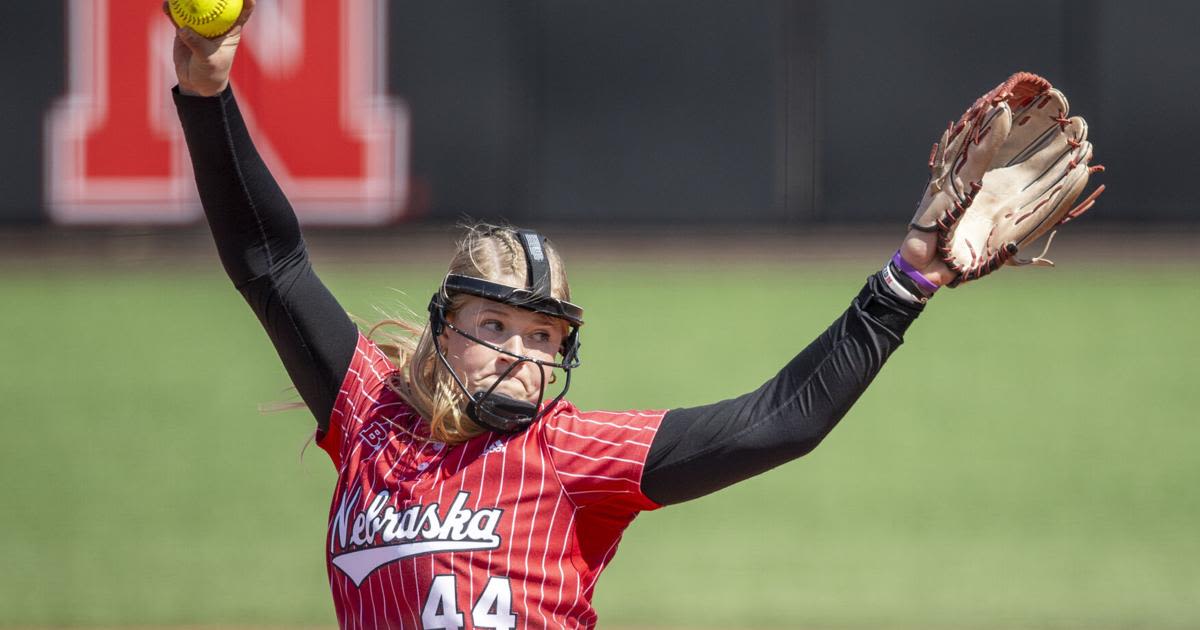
(255, 229)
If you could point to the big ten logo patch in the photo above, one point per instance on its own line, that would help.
(374, 435)
(310, 82)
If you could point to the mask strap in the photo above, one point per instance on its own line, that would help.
(537, 267)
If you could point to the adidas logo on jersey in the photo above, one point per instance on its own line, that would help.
(389, 535)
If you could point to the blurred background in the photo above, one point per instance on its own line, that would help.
(721, 176)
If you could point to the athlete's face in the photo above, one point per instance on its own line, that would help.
(516, 330)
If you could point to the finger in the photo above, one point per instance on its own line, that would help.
(180, 52)
(919, 248)
(197, 43)
(166, 8)
(938, 273)
(247, 9)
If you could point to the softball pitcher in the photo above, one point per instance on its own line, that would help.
(470, 492)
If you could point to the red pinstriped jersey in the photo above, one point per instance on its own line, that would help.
(504, 531)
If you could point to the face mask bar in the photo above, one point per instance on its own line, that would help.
(488, 409)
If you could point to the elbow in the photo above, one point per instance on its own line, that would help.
(807, 445)
(780, 447)
(803, 438)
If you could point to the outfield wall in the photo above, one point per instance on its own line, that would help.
(778, 113)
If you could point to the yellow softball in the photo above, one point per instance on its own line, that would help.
(210, 18)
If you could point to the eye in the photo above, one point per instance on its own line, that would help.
(493, 325)
(541, 336)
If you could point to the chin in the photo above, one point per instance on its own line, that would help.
(517, 395)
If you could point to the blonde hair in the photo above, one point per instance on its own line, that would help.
(489, 252)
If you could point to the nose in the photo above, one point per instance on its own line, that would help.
(505, 363)
(515, 345)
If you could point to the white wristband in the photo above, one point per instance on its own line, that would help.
(898, 289)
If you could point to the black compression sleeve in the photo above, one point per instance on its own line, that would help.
(259, 242)
(703, 449)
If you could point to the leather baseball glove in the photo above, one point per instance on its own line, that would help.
(1007, 173)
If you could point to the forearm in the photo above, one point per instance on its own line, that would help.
(260, 245)
(703, 449)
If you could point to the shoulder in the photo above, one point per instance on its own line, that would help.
(363, 396)
(567, 414)
(567, 424)
(370, 357)
(369, 371)
(599, 455)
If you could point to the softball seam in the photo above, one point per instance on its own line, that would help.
(216, 11)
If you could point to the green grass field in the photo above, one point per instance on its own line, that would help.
(1027, 460)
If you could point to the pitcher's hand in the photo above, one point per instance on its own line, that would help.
(202, 65)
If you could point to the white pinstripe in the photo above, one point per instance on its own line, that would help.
(609, 424)
(478, 502)
(609, 492)
(562, 553)
(596, 459)
(636, 414)
(545, 551)
(371, 594)
(592, 438)
(435, 475)
(397, 597)
(567, 474)
(462, 452)
(525, 589)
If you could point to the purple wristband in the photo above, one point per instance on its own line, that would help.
(912, 273)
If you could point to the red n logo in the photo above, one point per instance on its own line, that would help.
(309, 79)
